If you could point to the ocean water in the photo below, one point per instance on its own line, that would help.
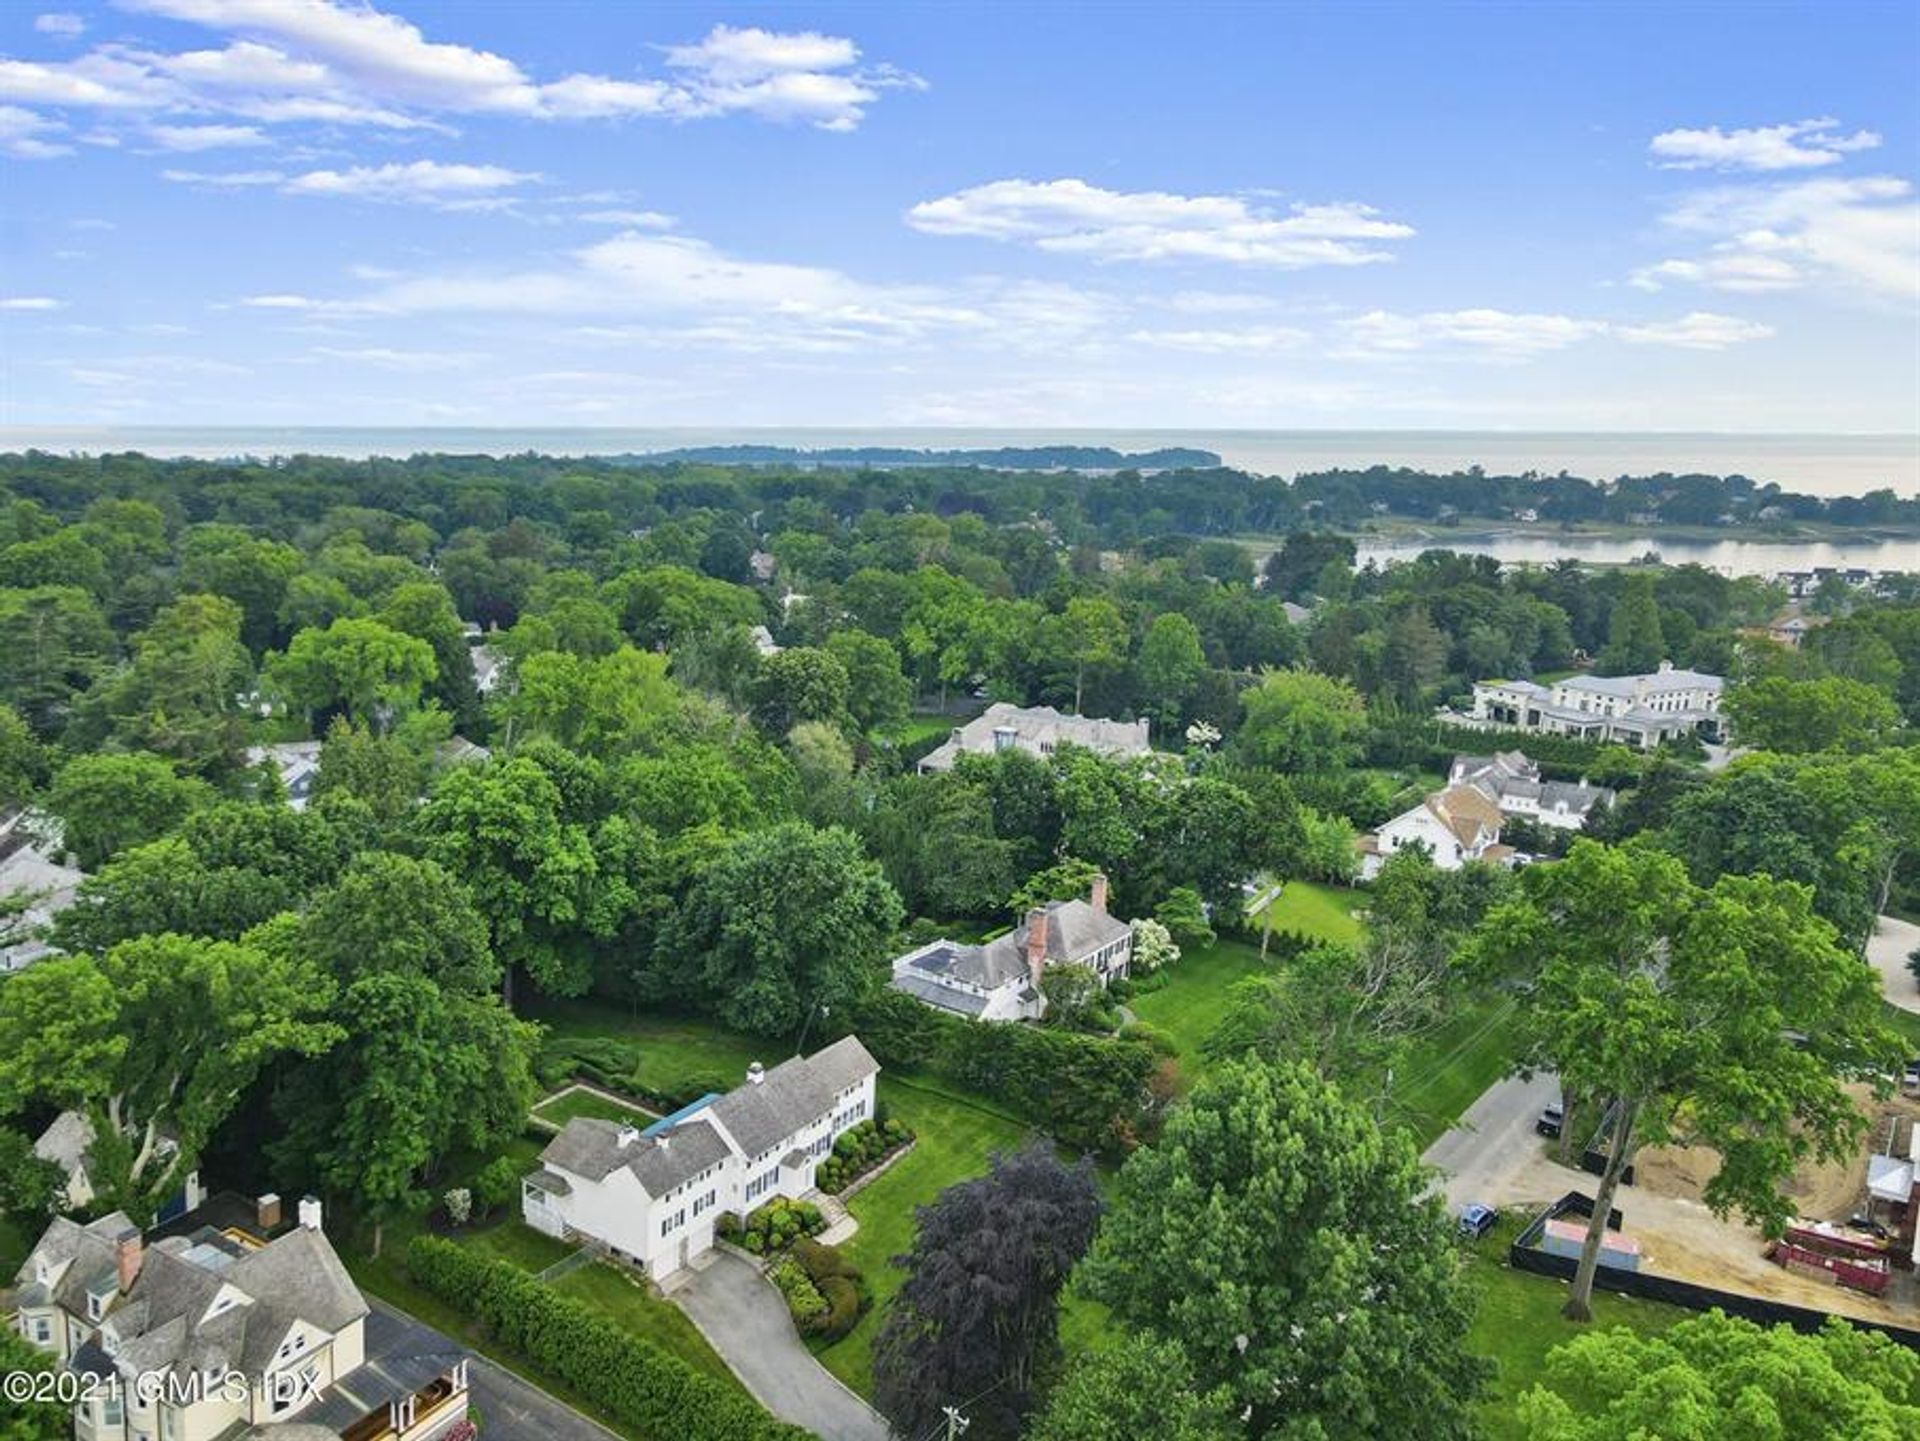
(1815, 464)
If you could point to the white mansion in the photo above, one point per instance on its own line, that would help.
(1000, 979)
(652, 1196)
(1635, 710)
(1463, 822)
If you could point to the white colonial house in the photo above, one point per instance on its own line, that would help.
(1456, 825)
(1038, 730)
(1000, 979)
(653, 1196)
(222, 1335)
(1634, 710)
(1513, 783)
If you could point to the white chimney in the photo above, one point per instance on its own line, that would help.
(756, 1073)
(661, 1140)
(310, 1213)
(628, 1135)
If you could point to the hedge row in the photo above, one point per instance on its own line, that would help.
(1088, 1091)
(656, 1393)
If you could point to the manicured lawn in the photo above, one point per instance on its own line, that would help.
(671, 1047)
(644, 1314)
(563, 1108)
(1195, 997)
(1518, 1322)
(1449, 1068)
(954, 1141)
(1322, 912)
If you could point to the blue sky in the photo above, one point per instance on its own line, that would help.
(1538, 216)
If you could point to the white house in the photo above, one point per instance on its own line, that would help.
(1038, 730)
(1513, 782)
(222, 1334)
(49, 888)
(1456, 825)
(1000, 980)
(68, 1143)
(296, 762)
(1635, 710)
(652, 1197)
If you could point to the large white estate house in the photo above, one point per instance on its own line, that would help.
(652, 1196)
(1635, 710)
(1037, 730)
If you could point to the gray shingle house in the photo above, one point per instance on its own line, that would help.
(1039, 730)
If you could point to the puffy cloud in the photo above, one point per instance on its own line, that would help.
(1799, 145)
(1697, 330)
(1073, 217)
(1254, 341)
(323, 61)
(60, 23)
(205, 137)
(1860, 234)
(22, 135)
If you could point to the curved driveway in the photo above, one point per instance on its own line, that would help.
(746, 1321)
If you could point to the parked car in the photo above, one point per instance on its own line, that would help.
(1911, 1081)
(1476, 1220)
(1867, 1226)
(1552, 1118)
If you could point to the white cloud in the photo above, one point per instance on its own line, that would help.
(1506, 335)
(22, 132)
(409, 361)
(1799, 145)
(59, 23)
(205, 137)
(419, 181)
(1219, 302)
(282, 302)
(1489, 333)
(629, 219)
(1256, 341)
(1697, 330)
(323, 61)
(31, 302)
(1860, 235)
(1073, 217)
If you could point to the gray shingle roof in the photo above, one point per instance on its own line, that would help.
(589, 1146)
(1037, 728)
(793, 1094)
(947, 998)
(1075, 930)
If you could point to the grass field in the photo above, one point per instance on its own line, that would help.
(671, 1047)
(1518, 1322)
(1195, 996)
(1449, 1068)
(1324, 912)
(562, 1108)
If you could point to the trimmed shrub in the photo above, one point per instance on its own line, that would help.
(1156, 1039)
(857, 1151)
(804, 1302)
(459, 1204)
(777, 1224)
(637, 1384)
(845, 1305)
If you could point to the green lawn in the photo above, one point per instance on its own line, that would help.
(563, 1108)
(954, 1140)
(1449, 1068)
(1194, 998)
(1323, 912)
(1518, 1322)
(644, 1314)
(671, 1047)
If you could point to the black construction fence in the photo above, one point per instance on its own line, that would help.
(1524, 1255)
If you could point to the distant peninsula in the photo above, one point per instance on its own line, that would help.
(1034, 457)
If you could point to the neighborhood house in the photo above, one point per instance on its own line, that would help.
(653, 1196)
(1000, 979)
(1513, 782)
(1635, 710)
(1456, 825)
(1038, 730)
(235, 1337)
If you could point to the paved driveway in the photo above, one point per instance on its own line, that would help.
(747, 1323)
(510, 1409)
(1893, 941)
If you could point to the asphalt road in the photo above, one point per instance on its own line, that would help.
(1893, 941)
(1483, 1143)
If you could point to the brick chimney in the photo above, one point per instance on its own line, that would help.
(1099, 897)
(266, 1213)
(1036, 943)
(128, 1252)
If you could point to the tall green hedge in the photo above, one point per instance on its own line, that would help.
(1088, 1091)
(657, 1394)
